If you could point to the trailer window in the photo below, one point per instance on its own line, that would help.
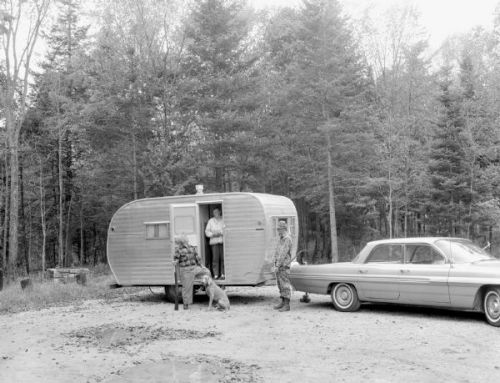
(157, 230)
(290, 221)
(184, 225)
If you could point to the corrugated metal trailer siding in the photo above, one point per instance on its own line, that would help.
(244, 239)
(277, 206)
(133, 259)
(249, 241)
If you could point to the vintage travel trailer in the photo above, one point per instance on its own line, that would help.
(141, 236)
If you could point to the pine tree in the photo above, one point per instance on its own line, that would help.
(219, 88)
(450, 194)
(325, 85)
(60, 91)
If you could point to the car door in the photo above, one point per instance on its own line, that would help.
(378, 276)
(424, 276)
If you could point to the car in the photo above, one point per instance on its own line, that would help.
(439, 272)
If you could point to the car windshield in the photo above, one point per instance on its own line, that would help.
(462, 251)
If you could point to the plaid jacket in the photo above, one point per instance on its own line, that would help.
(187, 257)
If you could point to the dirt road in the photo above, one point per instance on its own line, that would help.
(140, 338)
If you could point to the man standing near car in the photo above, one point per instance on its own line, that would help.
(282, 261)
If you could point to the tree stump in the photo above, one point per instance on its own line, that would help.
(81, 278)
(26, 284)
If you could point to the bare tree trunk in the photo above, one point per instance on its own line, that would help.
(42, 215)
(219, 179)
(5, 243)
(389, 215)
(4, 226)
(61, 197)
(94, 246)
(333, 221)
(134, 159)
(396, 221)
(30, 239)
(14, 202)
(82, 243)
(471, 191)
(303, 216)
(317, 238)
(406, 211)
(228, 185)
(23, 220)
(69, 252)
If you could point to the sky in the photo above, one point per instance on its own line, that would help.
(441, 18)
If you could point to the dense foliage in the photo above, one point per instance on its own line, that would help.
(351, 120)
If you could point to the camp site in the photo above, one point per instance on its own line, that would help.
(141, 236)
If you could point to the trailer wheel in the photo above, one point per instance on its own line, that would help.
(170, 294)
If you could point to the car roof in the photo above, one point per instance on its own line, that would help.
(414, 240)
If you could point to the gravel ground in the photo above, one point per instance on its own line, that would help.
(138, 337)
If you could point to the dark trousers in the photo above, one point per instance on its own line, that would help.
(209, 261)
(218, 259)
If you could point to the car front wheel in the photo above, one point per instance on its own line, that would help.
(492, 307)
(345, 297)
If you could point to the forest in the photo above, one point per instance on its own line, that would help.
(370, 131)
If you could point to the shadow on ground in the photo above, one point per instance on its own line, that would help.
(156, 295)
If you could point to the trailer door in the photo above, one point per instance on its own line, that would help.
(184, 222)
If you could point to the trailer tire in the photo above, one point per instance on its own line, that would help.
(170, 293)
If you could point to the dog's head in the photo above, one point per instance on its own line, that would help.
(206, 280)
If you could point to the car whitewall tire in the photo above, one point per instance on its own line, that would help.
(491, 305)
(345, 297)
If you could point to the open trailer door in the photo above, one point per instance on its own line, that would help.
(184, 219)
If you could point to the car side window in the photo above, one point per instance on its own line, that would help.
(423, 255)
(386, 253)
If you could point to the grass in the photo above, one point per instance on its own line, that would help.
(46, 293)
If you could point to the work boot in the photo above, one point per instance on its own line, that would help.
(286, 305)
(280, 305)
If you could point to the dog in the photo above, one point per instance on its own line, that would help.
(216, 295)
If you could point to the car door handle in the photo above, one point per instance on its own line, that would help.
(362, 271)
(404, 271)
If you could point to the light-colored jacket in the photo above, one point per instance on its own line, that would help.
(215, 231)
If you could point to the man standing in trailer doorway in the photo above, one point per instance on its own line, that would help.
(215, 231)
(282, 261)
